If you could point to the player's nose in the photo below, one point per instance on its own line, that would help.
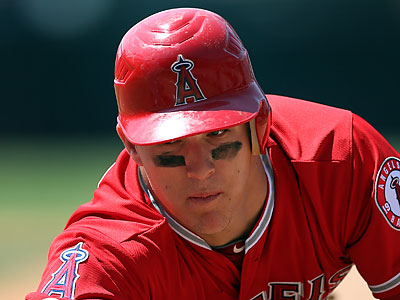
(199, 163)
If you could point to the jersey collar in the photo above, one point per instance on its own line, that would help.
(255, 235)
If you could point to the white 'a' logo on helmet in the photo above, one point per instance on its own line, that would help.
(186, 83)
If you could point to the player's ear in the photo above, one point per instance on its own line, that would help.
(131, 148)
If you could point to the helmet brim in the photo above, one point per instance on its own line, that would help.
(194, 118)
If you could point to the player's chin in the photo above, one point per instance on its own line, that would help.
(211, 223)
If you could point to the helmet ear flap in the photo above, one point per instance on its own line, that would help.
(259, 129)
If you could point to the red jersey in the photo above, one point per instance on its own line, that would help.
(333, 202)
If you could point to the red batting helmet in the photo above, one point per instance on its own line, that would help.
(182, 72)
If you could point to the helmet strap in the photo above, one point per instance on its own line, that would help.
(255, 146)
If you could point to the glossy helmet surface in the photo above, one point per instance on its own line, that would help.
(182, 72)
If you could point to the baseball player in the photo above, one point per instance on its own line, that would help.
(222, 192)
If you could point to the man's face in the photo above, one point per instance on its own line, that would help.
(207, 181)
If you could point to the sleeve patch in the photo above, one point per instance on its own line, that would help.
(387, 191)
(63, 280)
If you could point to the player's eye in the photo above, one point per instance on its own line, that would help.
(172, 142)
(217, 132)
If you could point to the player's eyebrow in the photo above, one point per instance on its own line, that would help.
(226, 151)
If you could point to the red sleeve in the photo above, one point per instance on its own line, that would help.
(40, 296)
(373, 219)
(395, 297)
(85, 264)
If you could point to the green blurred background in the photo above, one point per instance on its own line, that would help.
(58, 110)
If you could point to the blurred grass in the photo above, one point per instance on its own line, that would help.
(43, 180)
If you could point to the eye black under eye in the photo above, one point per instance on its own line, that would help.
(226, 151)
(169, 161)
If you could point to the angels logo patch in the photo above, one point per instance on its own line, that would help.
(186, 84)
(64, 279)
(387, 191)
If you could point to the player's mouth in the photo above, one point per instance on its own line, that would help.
(203, 198)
